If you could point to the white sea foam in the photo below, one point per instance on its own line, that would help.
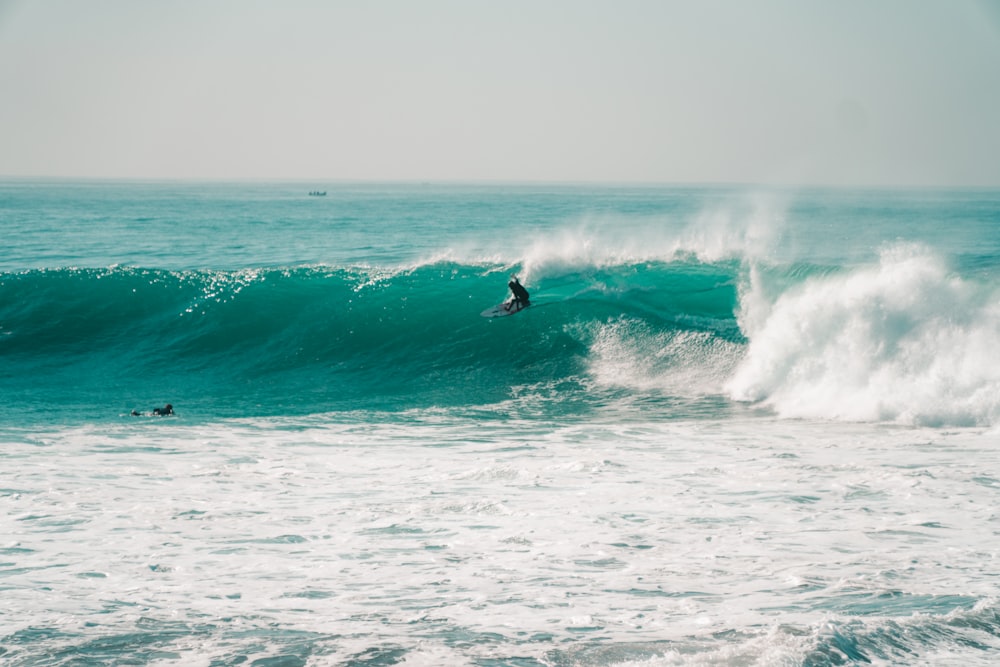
(626, 353)
(902, 340)
(457, 541)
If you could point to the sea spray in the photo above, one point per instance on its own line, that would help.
(740, 227)
(904, 340)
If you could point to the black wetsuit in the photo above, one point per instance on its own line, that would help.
(520, 294)
(158, 412)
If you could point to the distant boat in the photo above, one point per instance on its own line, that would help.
(317, 193)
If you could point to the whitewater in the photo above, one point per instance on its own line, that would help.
(737, 426)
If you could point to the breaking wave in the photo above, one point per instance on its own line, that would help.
(905, 339)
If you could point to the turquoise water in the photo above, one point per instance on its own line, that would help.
(737, 426)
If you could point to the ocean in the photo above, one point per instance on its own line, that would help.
(737, 426)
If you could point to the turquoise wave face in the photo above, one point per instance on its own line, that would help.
(896, 340)
(273, 341)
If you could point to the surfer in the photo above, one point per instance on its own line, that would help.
(520, 295)
(159, 412)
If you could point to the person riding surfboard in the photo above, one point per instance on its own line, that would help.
(520, 295)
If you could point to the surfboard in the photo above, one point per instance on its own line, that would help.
(500, 310)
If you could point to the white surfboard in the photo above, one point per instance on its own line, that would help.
(504, 309)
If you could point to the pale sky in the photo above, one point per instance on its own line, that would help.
(832, 92)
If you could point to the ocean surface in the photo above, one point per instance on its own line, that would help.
(737, 426)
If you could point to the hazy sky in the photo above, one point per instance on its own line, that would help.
(869, 92)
